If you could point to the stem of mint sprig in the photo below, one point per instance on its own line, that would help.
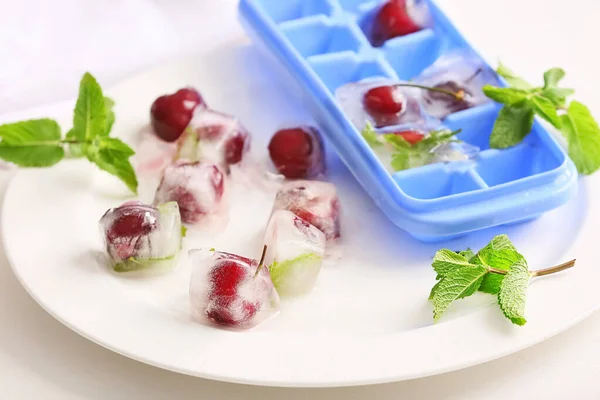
(497, 269)
(522, 101)
(40, 143)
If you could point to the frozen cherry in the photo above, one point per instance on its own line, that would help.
(392, 20)
(383, 100)
(452, 103)
(170, 114)
(129, 225)
(297, 153)
(225, 281)
(411, 136)
(197, 187)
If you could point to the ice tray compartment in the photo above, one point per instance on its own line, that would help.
(324, 45)
(287, 10)
(441, 181)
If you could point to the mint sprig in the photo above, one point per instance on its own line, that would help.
(39, 142)
(522, 102)
(405, 155)
(497, 269)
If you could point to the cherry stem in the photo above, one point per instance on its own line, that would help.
(460, 95)
(479, 70)
(262, 259)
(552, 270)
(540, 272)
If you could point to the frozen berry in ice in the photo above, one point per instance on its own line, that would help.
(411, 136)
(139, 237)
(297, 153)
(226, 280)
(170, 114)
(393, 19)
(215, 137)
(231, 290)
(315, 202)
(197, 187)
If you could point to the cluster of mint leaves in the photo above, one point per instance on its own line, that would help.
(497, 269)
(39, 142)
(404, 154)
(522, 101)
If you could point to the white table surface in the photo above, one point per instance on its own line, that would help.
(44, 48)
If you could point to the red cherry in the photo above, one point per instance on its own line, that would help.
(171, 114)
(392, 20)
(297, 152)
(225, 279)
(132, 223)
(383, 100)
(235, 147)
(412, 137)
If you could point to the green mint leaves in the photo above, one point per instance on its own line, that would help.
(405, 155)
(523, 101)
(32, 143)
(39, 143)
(496, 269)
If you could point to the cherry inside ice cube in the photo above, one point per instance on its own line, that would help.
(298, 153)
(393, 19)
(170, 114)
(315, 202)
(197, 187)
(411, 136)
(225, 279)
(227, 290)
(216, 137)
(139, 236)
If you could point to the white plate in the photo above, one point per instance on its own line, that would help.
(368, 320)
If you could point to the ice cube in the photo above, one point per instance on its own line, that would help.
(362, 108)
(315, 202)
(454, 151)
(455, 71)
(140, 237)
(214, 137)
(225, 289)
(295, 251)
(197, 187)
(152, 154)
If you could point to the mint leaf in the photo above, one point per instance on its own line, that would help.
(546, 109)
(89, 118)
(552, 77)
(32, 143)
(558, 96)
(513, 292)
(396, 141)
(409, 156)
(513, 124)
(370, 136)
(583, 136)
(511, 78)
(508, 96)
(459, 283)
(110, 115)
(500, 254)
(446, 260)
(400, 161)
(468, 254)
(112, 156)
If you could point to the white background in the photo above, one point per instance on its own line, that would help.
(45, 47)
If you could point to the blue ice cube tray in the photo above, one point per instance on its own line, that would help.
(322, 46)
